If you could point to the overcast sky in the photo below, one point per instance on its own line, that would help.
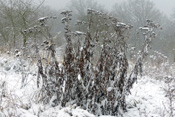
(165, 6)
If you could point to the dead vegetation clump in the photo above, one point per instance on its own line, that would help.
(94, 73)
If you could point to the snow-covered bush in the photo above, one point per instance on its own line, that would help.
(98, 84)
(158, 66)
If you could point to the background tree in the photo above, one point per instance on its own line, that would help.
(16, 16)
(167, 40)
(79, 7)
(136, 12)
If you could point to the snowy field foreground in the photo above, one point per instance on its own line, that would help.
(147, 97)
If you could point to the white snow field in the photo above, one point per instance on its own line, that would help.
(147, 97)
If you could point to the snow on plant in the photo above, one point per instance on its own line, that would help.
(148, 33)
(169, 89)
(98, 84)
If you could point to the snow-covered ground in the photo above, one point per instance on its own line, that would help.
(146, 100)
